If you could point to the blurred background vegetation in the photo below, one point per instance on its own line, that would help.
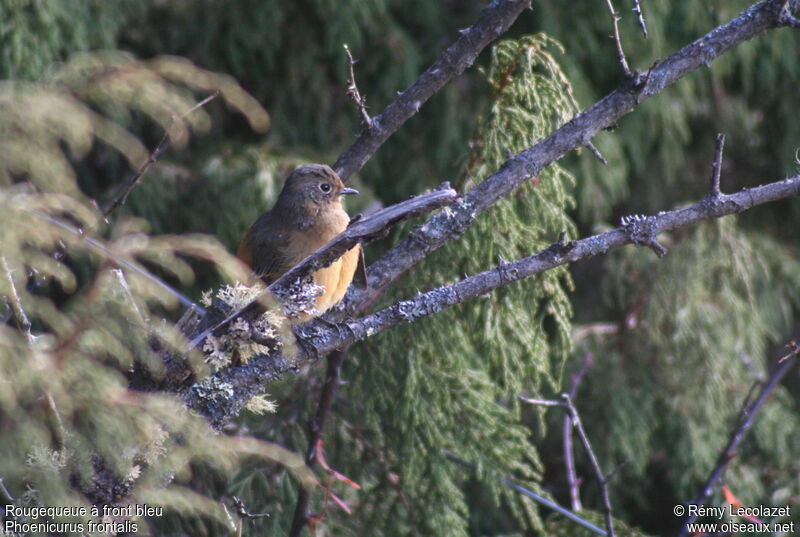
(675, 343)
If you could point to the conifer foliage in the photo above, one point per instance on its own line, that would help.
(126, 143)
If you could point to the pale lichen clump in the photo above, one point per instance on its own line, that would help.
(300, 299)
(259, 404)
(47, 459)
(243, 339)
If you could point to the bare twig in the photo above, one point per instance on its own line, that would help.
(533, 496)
(620, 53)
(716, 167)
(540, 402)
(596, 152)
(23, 321)
(99, 247)
(640, 17)
(492, 22)
(315, 431)
(569, 457)
(363, 230)
(243, 512)
(123, 284)
(125, 188)
(352, 91)
(4, 491)
(747, 416)
(602, 479)
(320, 338)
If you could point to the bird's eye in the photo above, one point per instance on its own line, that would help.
(325, 187)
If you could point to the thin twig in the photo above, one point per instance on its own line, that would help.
(748, 414)
(602, 479)
(716, 167)
(533, 496)
(129, 184)
(620, 53)
(23, 321)
(243, 512)
(316, 427)
(107, 253)
(596, 152)
(123, 283)
(352, 91)
(7, 495)
(540, 402)
(640, 17)
(569, 456)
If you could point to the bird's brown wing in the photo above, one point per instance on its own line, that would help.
(264, 248)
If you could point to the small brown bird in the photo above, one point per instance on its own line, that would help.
(307, 215)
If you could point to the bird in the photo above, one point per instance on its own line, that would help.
(307, 214)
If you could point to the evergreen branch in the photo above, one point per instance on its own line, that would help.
(739, 432)
(124, 263)
(23, 322)
(124, 190)
(617, 43)
(360, 230)
(319, 338)
(492, 22)
(448, 226)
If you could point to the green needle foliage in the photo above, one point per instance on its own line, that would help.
(74, 326)
(693, 329)
(698, 327)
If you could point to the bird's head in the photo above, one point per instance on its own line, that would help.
(312, 187)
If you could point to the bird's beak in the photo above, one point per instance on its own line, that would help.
(348, 191)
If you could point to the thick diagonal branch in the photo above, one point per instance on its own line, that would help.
(318, 338)
(492, 22)
(446, 227)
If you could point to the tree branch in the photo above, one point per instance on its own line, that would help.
(448, 226)
(319, 338)
(492, 22)
(108, 254)
(747, 416)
